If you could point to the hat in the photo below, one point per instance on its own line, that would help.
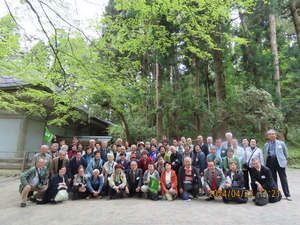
(118, 166)
(141, 143)
(147, 143)
(133, 156)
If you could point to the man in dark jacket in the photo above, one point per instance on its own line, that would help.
(199, 160)
(262, 180)
(176, 158)
(203, 146)
(73, 165)
(104, 151)
(189, 180)
(134, 177)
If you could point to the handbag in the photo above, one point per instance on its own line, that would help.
(153, 189)
(153, 185)
(168, 186)
(261, 198)
(62, 195)
(246, 166)
(152, 196)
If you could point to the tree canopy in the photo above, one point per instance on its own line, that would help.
(174, 68)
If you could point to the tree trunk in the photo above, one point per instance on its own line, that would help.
(198, 124)
(196, 66)
(174, 123)
(249, 53)
(274, 51)
(176, 70)
(219, 75)
(207, 84)
(263, 128)
(159, 116)
(145, 64)
(285, 132)
(125, 124)
(222, 127)
(295, 19)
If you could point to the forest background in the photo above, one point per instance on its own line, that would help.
(159, 67)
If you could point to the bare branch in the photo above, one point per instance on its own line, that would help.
(14, 19)
(55, 32)
(71, 25)
(48, 38)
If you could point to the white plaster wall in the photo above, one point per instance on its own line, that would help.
(34, 136)
(9, 134)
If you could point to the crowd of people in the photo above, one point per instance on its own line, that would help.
(182, 168)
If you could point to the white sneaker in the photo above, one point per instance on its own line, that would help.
(289, 198)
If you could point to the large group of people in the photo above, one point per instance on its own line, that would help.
(182, 169)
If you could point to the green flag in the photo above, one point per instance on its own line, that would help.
(48, 136)
(153, 185)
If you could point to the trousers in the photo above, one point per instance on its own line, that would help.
(39, 194)
(272, 164)
(189, 188)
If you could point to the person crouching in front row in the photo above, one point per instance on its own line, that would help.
(117, 182)
(134, 177)
(235, 186)
(58, 182)
(168, 181)
(262, 180)
(80, 184)
(34, 179)
(214, 181)
(94, 185)
(189, 180)
(151, 172)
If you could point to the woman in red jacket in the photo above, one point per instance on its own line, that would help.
(71, 153)
(143, 163)
(168, 180)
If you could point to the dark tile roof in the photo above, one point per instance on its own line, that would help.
(10, 82)
(7, 81)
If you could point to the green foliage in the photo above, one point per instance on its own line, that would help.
(114, 76)
(252, 109)
(294, 138)
(9, 38)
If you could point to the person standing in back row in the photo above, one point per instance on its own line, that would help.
(104, 151)
(43, 155)
(203, 146)
(250, 153)
(276, 161)
(227, 144)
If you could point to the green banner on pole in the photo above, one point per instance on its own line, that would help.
(48, 136)
(153, 185)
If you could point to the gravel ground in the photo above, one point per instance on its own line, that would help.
(142, 211)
